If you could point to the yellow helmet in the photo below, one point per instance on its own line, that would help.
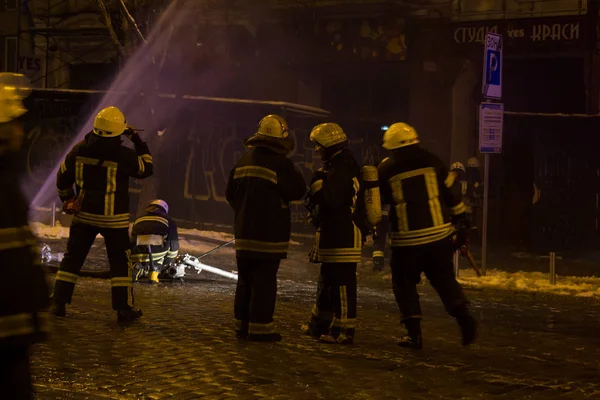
(13, 89)
(399, 135)
(458, 166)
(273, 126)
(473, 162)
(110, 122)
(328, 134)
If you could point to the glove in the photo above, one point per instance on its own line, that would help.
(321, 174)
(133, 135)
(72, 206)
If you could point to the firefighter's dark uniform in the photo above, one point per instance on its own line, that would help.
(260, 188)
(154, 227)
(338, 246)
(380, 240)
(24, 292)
(415, 182)
(100, 168)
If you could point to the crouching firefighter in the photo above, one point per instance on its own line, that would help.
(260, 188)
(155, 242)
(427, 210)
(332, 201)
(24, 292)
(100, 168)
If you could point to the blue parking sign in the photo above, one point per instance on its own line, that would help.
(492, 67)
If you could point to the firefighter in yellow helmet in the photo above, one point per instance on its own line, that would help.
(260, 188)
(93, 183)
(332, 202)
(154, 240)
(427, 210)
(23, 287)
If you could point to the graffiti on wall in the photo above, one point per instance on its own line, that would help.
(212, 151)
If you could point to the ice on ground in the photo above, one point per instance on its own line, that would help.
(528, 282)
(43, 231)
(533, 282)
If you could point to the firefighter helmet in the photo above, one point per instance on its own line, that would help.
(109, 122)
(399, 135)
(13, 89)
(273, 126)
(458, 166)
(161, 203)
(328, 134)
(473, 162)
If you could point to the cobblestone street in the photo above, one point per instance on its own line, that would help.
(531, 346)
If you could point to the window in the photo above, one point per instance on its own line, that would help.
(10, 54)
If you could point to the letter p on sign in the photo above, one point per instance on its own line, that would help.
(492, 67)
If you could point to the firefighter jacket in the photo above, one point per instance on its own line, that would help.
(260, 188)
(422, 194)
(24, 292)
(334, 191)
(474, 183)
(154, 239)
(100, 168)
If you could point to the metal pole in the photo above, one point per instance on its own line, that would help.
(18, 37)
(552, 268)
(486, 193)
(456, 265)
(53, 214)
(46, 67)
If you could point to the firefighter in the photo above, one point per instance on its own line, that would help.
(24, 292)
(261, 185)
(332, 201)
(100, 167)
(155, 242)
(458, 170)
(427, 211)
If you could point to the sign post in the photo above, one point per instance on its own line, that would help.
(491, 122)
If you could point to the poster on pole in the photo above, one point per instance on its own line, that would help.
(491, 122)
(492, 67)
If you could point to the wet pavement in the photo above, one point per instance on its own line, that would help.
(532, 346)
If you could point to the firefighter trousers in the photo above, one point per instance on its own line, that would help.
(15, 373)
(435, 260)
(256, 295)
(335, 310)
(81, 238)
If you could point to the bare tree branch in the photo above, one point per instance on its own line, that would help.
(131, 20)
(109, 26)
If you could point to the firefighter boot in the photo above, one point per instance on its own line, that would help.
(338, 336)
(316, 327)
(153, 277)
(378, 261)
(59, 308)
(467, 324)
(128, 314)
(414, 339)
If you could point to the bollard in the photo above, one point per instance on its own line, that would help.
(53, 214)
(456, 266)
(552, 268)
